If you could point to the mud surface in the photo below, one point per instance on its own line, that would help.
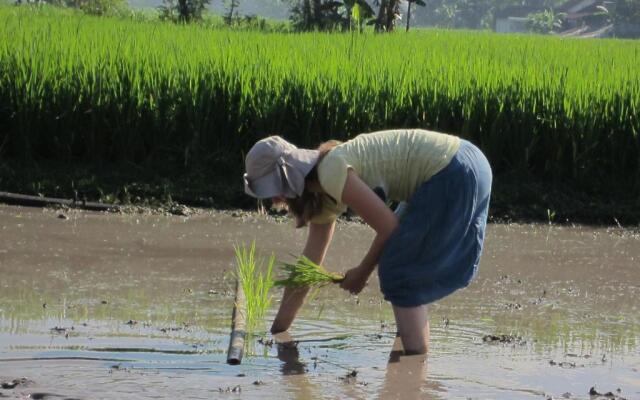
(138, 306)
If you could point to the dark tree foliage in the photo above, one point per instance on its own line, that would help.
(182, 10)
(388, 13)
(232, 11)
(327, 15)
(316, 15)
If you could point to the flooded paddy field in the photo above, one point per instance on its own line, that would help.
(110, 306)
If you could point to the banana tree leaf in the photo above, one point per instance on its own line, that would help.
(365, 8)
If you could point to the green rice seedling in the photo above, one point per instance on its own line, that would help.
(256, 281)
(306, 273)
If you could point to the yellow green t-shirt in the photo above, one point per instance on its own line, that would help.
(397, 161)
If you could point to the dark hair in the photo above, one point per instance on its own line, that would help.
(310, 204)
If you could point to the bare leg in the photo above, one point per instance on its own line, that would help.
(413, 328)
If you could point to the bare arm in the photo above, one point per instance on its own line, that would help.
(315, 249)
(357, 195)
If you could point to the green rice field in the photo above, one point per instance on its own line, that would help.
(76, 88)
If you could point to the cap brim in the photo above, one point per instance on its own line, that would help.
(286, 180)
(305, 159)
(264, 187)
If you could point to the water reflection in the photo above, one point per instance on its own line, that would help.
(289, 354)
(405, 376)
(295, 370)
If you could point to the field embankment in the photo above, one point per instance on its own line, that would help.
(101, 104)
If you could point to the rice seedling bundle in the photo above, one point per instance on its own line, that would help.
(306, 273)
(74, 87)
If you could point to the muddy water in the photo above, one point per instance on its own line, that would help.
(129, 306)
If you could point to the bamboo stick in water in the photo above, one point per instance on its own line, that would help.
(238, 327)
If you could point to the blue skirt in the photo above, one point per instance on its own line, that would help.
(437, 246)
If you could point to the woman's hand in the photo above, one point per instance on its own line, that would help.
(355, 279)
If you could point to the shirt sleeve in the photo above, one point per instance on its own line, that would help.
(330, 211)
(332, 174)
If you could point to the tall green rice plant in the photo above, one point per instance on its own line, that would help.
(256, 280)
(74, 87)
